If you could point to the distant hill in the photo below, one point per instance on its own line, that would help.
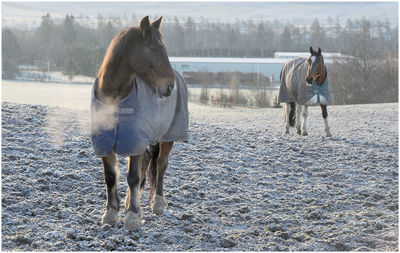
(28, 14)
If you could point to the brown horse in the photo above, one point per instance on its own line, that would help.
(136, 62)
(304, 82)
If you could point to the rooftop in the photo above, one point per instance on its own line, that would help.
(226, 60)
(279, 57)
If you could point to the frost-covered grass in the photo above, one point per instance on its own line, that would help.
(239, 184)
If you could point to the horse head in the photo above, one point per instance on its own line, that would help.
(316, 68)
(148, 57)
(136, 51)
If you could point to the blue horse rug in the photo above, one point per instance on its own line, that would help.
(140, 119)
(318, 94)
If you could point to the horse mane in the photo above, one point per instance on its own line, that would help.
(117, 50)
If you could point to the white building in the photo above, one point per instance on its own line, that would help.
(270, 67)
(328, 57)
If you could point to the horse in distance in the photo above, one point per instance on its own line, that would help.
(138, 110)
(304, 82)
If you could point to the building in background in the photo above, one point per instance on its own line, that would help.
(328, 57)
(270, 67)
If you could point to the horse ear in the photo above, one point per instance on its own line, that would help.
(144, 25)
(311, 50)
(157, 23)
(319, 51)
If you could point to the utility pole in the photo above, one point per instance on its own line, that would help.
(48, 68)
(258, 75)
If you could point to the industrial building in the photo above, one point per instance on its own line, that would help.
(270, 67)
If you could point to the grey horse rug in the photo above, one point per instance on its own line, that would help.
(294, 87)
(140, 119)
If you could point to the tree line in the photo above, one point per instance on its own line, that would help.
(78, 49)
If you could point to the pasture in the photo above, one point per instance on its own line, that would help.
(239, 184)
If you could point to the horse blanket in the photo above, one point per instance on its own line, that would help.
(140, 119)
(294, 87)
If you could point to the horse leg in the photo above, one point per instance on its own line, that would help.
(298, 119)
(132, 205)
(304, 123)
(154, 151)
(325, 117)
(158, 202)
(111, 179)
(286, 109)
(145, 163)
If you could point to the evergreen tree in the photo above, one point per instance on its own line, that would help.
(177, 40)
(262, 40)
(285, 40)
(46, 32)
(108, 34)
(190, 42)
(11, 56)
(317, 34)
(68, 30)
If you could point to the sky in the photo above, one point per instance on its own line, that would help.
(28, 14)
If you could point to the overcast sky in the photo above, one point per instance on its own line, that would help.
(29, 13)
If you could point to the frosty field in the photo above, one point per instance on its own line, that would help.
(240, 184)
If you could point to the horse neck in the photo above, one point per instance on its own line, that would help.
(320, 80)
(115, 84)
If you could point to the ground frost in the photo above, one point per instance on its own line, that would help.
(239, 184)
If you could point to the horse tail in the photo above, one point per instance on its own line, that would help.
(154, 151)
(292, 114)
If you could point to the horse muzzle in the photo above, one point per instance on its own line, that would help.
(309, 80)
(168, 91)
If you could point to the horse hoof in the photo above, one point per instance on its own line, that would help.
(304, 133)
(328, 135)
(158, 204)
(298, 131)
(110, 217)
(132, 220)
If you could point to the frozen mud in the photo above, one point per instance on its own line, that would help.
(240, 184)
